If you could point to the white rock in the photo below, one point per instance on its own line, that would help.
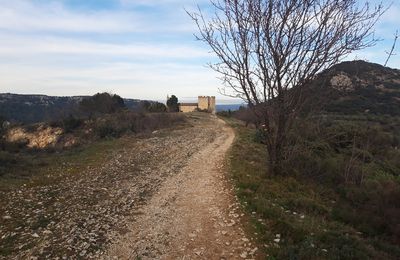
(252, 252)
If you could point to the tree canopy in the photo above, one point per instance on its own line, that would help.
(102, 103)
(172, 104)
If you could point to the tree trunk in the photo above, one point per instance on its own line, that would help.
(275, 159)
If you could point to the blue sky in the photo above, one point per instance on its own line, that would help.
(135, 48)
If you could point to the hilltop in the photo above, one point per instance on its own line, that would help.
(358, 87)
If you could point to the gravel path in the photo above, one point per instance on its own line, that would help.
(163, 197)
(193, 215)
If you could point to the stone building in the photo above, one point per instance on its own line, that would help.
(205, 103)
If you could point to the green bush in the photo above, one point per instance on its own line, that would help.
(105, 130)
(260, 136)
(154, 107)
(71, 123)
(102, 103)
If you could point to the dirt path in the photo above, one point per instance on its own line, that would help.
(164, 196)
(194, 214)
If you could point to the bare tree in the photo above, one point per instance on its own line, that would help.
(391, 52)
(268, 50)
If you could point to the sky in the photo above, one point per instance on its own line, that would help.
(134, 48)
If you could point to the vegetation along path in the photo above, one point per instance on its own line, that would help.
(164, 196)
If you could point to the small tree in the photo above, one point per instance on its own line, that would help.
(154, 107)
(102, 103)
(172, 104)
(268, 51)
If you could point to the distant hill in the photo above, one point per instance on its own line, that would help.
(36, 108)
(226, 107)
(359, 87)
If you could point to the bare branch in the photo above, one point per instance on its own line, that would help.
(391, 53)
(268, 50)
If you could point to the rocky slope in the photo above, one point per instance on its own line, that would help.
(358, 87)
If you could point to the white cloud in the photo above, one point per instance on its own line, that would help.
(24, 16)
(25, 46)
(151, 81)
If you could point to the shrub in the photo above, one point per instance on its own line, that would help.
(105, 130)
(71, 123)
(154, 107)
(102, 103)
(125, 121)
(260, 136)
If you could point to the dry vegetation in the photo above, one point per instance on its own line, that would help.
(25, 149)
(339, 198)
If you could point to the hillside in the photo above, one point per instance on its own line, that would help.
(339, 194)
(37, 108)
(359, 87)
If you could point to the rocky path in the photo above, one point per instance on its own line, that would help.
(193, 215)
(162, 197)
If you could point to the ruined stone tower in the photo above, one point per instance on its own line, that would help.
(207, 103)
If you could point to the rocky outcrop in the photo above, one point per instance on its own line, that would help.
(42, 137)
